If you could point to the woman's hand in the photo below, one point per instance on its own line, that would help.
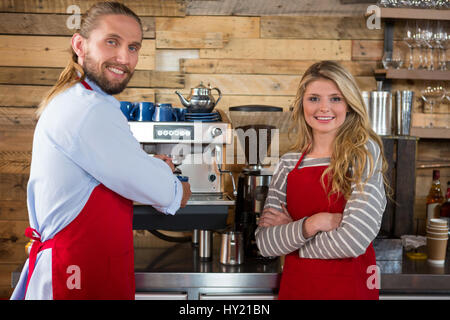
(322, 221)
(167, 160)
(272, 217)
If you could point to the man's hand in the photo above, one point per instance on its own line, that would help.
(322, 221)
(167, 160)
(272, 217)
(186, 194)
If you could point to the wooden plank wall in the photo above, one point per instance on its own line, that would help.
(255, 51)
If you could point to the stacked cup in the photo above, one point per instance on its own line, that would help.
(437, 238)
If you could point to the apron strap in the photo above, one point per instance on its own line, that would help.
(302, 156)
(36, 247)
(86, 85)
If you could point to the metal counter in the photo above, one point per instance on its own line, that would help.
(176, 272)
(178, 269)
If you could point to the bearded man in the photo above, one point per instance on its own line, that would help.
(87, 169)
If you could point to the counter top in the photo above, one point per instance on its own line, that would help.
(178, 268)
(179, 265)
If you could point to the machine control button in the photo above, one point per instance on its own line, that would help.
(215, 132)
(212, 177)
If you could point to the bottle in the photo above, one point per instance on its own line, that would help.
(435, 197)
(445, 208)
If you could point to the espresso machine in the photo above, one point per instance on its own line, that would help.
(255, 126)
(197, 150)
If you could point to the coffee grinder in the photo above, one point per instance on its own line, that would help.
(255, 126)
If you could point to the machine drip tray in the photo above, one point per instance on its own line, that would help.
(206, 199)
(205, 211)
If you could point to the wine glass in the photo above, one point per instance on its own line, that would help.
(397, 58)
(387, 60)
(440, 38)
(445, 105)
(442, 4)
(423, 38)
(444, 41)
(432, 38)
(431, 95)
(410, 42)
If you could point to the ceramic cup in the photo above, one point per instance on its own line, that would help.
(127, 108)
(143, 111)
(164, 113)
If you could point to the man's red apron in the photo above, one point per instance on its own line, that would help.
(93, 256)
(317, 279)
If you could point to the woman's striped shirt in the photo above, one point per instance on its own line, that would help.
(360, 224)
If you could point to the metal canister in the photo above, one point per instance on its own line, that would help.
(403, 106)
(205, 245)
(232, 249)
(380, 112)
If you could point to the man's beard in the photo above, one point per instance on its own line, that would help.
(99, 78)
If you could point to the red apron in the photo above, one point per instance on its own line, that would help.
(321, 279)
(93, 256)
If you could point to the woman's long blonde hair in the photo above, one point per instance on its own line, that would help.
(74, 72)
(350, 154)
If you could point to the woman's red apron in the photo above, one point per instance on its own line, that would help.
(93, 256)
(317, 279)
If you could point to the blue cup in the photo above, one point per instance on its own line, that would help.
(180, 113)
(127, 109)
(143, 111)
(164, 113)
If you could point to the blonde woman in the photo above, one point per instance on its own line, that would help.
(327, 197)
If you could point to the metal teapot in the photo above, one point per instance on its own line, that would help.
(201, 100)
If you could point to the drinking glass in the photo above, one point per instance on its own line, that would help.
(430, 95)
(421, 42)
(387, 60)
(444, 106)
(397, 57)
(442, 4)
(416, 3)
(427, 4)
(408, 38)
(433, 43)
(444, 44)
(439, 39)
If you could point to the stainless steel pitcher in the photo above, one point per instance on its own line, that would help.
(380, 112)
(403, 106)
(232, 248)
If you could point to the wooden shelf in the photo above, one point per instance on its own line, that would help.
(431, 133)
(411, 13)
(413, 74)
